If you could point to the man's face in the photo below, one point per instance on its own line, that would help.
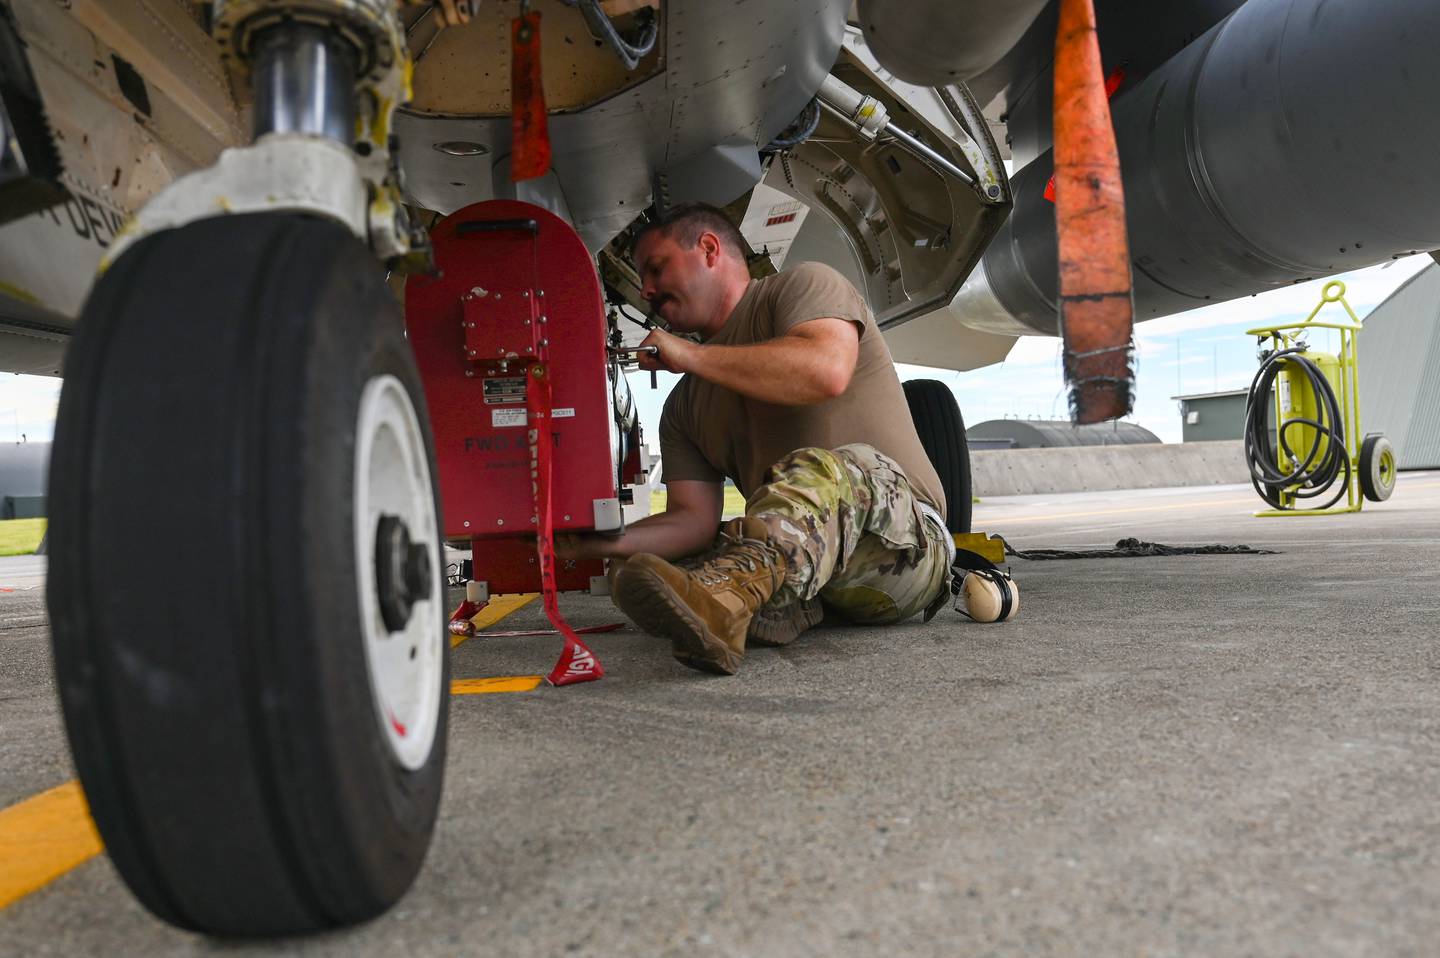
(680, 284)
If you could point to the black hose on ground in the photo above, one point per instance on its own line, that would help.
(1131, 548)
(1326, 457)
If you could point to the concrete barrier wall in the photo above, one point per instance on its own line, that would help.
(1013, 472)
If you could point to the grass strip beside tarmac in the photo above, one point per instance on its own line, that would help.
(20, 537)
(734, 502)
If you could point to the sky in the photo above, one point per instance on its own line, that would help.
(27, 407)
(1199, 351)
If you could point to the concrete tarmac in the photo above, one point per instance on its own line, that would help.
(1209, 755)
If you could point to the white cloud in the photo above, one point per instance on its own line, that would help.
(27, 407)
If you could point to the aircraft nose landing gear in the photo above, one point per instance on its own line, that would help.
(402, 572)
(245, 580)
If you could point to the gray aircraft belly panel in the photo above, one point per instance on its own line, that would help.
(48, 259)
(735, 73)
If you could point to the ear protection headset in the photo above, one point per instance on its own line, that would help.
(988, 595)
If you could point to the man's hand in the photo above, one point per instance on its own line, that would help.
(675, 355)
(692, 513)
(586, 545)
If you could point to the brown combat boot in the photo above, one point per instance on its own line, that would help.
(783, 625)
(705, 610)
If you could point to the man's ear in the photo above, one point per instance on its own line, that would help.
(710, 245)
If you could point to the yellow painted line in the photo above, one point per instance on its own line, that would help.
(507, 683)
(49, 834)
(42, 838)
(498, 607)
(1122, 512)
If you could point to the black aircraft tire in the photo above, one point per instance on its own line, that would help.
(228, 400)
(1377, 468)
(942, 433)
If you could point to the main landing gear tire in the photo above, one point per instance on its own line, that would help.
(245, 578)
(942, 433)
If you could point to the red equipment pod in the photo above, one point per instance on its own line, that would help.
(516, 292)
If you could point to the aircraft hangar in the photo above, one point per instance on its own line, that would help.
(1400, 371)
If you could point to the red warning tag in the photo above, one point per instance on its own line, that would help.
(577, 663)
(529, 133)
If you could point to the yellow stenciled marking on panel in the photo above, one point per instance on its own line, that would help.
(505, 683)
(16, 292)
(495, 610)
(42, 838)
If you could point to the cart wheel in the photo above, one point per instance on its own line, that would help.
(245, 579)
(1377, 468)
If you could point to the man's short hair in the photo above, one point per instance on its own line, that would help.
(686, 222)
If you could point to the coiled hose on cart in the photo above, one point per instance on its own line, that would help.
(1313, 475)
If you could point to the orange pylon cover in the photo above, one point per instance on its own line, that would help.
(1096, 301)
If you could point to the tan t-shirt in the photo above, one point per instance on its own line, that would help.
(710, 433)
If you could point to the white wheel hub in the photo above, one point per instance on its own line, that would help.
(392, 479)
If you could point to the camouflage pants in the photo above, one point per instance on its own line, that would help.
(853, 533)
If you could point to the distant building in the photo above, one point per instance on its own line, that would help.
(1049, 434)
(23, 470)
(1206, 417)
(1400, 371)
